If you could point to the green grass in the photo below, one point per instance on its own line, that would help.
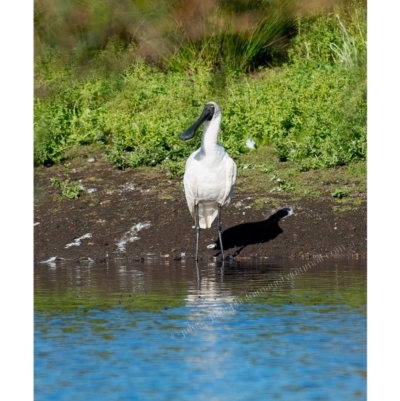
(311, 110)
(268, 181)
(231, 39)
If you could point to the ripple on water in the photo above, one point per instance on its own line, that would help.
(152, 332)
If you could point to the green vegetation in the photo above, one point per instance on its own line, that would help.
(70, 190)
(339, 193)
(268, 181)
(236, 36)
(133, 92)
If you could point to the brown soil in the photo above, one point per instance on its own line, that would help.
(122, 199)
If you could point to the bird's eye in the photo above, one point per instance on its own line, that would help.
(212, 106)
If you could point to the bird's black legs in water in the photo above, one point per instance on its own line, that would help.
(219, 228)
(196, 207)
(220, 243)
(198, 276)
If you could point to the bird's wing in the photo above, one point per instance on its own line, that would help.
(190, 185)
(231, 173)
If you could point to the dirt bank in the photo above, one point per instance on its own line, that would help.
(139, 213)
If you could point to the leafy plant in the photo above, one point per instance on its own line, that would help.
(339, 193)
(70, 190)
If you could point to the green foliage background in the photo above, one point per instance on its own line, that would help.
(304, 96)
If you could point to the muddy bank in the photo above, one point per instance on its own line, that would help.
(139, 213)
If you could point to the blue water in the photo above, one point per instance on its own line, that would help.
(211, 347)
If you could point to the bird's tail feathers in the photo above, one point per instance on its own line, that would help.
(207, 214)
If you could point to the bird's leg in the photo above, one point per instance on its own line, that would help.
(221, 272)
(219, 231)
(198, 276)
(197, 231)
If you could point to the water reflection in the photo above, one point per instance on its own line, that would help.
(160, 331)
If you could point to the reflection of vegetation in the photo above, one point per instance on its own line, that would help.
(320, 285)
(322, 282)
(133, 102)
(354, 297)
(71, 302)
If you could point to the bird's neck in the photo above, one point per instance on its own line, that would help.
(209, 139)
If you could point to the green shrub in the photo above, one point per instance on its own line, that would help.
(311, 110)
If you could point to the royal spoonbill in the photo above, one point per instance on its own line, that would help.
(210, 174)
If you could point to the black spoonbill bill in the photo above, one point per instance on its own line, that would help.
(210, 174)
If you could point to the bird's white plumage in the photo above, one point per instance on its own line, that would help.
(210, 174)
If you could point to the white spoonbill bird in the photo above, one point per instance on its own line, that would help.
(210, 174)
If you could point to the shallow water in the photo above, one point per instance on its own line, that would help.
(153, 331)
